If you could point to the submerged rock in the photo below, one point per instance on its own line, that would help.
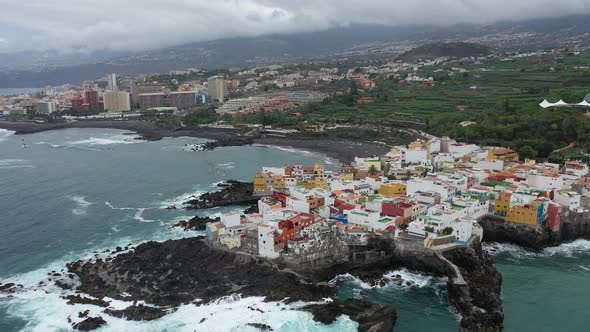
(138, 313)
(370, 316)
(260, 327)
(77, 299)
(90, 323)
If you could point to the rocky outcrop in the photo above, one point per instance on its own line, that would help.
(370, 316)
(138, 313)
(77, 299)
(10, 287)
(530, 237)
(476, 294)
(195, 224)
(536, 238)
(232, 193)
(478, 300)
(90, 323)
(177, 272)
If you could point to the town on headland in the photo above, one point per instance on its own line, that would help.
(423, 182)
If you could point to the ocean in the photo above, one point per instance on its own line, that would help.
(71, 194)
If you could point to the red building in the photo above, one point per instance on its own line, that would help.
(398, 209)
(77, 102)
(293, 225)
(91, 98)
(554, 213)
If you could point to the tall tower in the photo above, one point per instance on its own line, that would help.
(217, 88)
(112, 82)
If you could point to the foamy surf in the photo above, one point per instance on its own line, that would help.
(82, 205)
(15, 163)
(402, 279)
(110, 140)
(4, 134)
(567, 249)
(138, 212)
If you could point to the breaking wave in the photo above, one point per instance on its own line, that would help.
(15, 163)
(110, 140)
(4, 134)
(402, 279)
(567, 249)
(82, 205)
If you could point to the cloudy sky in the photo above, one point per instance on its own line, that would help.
(121, 25)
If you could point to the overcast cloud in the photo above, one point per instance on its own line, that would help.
(146, 24)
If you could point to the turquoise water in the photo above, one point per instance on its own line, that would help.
(547, 291)
(71, 193)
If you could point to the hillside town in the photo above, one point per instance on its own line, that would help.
(427, 196)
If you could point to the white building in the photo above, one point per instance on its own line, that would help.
(369, 219)
(266, 241)
(112, 82)
(544, 182)
(570, 199)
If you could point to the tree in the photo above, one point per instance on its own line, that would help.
(447, 231)
(429, 229)
(373, 170)
(527, 152)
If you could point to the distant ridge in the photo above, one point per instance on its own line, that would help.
(438, 50)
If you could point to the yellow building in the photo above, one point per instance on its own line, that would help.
(259, 182)
(523, 214)
(116, 101)
(316, 183)
(502, 154)
(502, 204)
(393, 189)
(370, 163)
(319, 171)
(278, 182)
(346, 176)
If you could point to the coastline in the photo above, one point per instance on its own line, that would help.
(343, 150)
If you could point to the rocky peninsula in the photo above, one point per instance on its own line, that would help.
(232, 193)
(190, 272)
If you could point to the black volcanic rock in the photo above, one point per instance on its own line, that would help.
(138, 313)
(180, 271)
(90, 323)
(77, 299)
(536, 238)
(370, 316)
(479, 301)
(232, 193)
(195, 224)
(260, 327)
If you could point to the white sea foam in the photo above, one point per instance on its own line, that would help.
(44, 310)
(567, 249)
(15, 163)
(139, 216)
(228, 165)
(4, 134)
(110, 140)
(179, 200)
(138, 212)
(391, 280)
(82, 205)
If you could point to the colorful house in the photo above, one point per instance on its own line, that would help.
(393, 189)
(527, 214)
